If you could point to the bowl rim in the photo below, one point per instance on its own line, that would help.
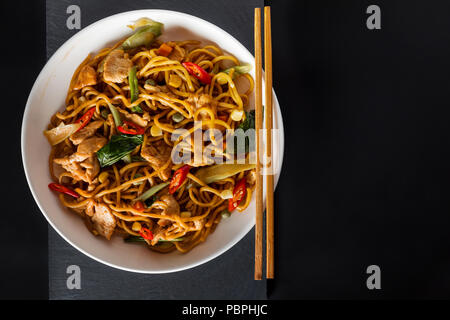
(25, 120)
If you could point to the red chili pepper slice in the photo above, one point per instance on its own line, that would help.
(197, 72)
(85, 118)
(129, 127)
(60, 188)
(146, 233)
(178, 178)
(139, 206)
(239, 193)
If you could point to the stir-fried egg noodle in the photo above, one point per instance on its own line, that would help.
(114, 144)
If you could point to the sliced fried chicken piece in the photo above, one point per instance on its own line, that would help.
(201, 100)
(103, 220)
(135, 118)
(90, 146)
(83, 164)
(86, 132)
(158, 232)
(116, 66)
(157, 154)
(168, 205)
(86, 77)
(92, 167)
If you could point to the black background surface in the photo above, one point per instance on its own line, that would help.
(23, 233)
(366, 172)
(366, 167)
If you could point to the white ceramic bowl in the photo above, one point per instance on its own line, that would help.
(47, 96)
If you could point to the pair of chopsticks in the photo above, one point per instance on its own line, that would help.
(268, 149)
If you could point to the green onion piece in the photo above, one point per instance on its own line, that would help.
(225, 214)
(134, 89)
(143, 35)
(137, 175)
(101, 65)
(137, 159)
(137, 109)
(150, 82)
(150, 192)
(104, 114)
(133, 82)
(177, 117)
(173, 240)
(248, 123)
(221, 171)
(115, 114)
(134, 239)
(127, 159)
(150, 201)
(239, 70)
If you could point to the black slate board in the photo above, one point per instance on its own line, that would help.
(229, 276)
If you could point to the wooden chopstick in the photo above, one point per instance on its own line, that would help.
(258, 126)
(268, 121)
